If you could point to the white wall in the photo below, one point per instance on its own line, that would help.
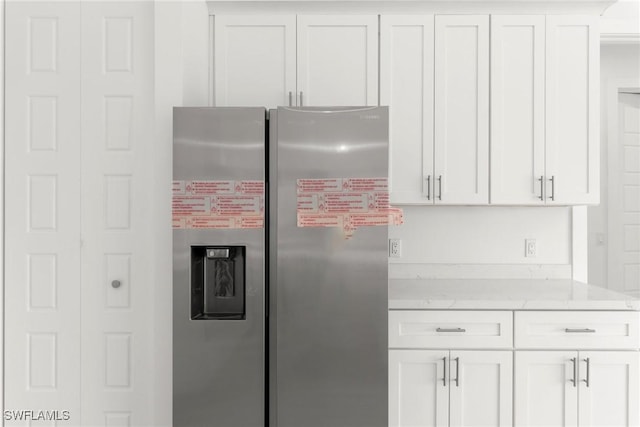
(617, 61)
(487, 242)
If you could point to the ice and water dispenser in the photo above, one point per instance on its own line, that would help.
(218, 282)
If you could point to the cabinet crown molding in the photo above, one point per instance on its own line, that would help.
(511, 7)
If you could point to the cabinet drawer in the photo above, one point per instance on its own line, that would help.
(450, 329)
(576, 329)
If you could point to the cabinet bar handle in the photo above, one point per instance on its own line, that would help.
(451, 330)
(575, 372)
(541, 179)
(301, 104)
(553, 187)
(587, 380)
(444, 372)
(439, 187)
(457, 359)
(428, 187)
(579, 330)
(290, 98)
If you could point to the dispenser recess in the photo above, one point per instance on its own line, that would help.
(217, 282)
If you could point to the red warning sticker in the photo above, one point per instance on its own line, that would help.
(347, 203)
(218, 204)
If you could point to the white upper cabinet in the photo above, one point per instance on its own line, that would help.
(338, 60)
(517, 109)
(572, 110)
(255, 60)
(434, 75)
(461, 166)
(505, 113)
(544, 110)
(277, 60)
(406, 86)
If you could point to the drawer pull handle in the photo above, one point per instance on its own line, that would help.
(451, 330)
(579, 330)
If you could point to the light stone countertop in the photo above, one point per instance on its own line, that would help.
(504, 294)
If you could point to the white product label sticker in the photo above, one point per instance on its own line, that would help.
(346, 203)
(218, 204)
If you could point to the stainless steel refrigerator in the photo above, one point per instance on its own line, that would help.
(280, 267)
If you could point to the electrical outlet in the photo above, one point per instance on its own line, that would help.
(530, 248)
(395, 248)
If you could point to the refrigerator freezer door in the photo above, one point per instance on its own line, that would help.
(328, 293)
(218, 363)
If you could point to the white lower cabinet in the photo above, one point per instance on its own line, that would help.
(450, 388)
(576, 388)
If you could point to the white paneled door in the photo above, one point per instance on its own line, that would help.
(42, 208)
(78, 281)
(117, 177)
(624, 197)
(461, 109)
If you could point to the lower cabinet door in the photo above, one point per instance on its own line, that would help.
(480, 384)
(418, 388)
(609, 389)
(546, 388)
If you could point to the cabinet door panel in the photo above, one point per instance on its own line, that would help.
(462, 109)
(338, 60)
(417, 394)
(482, 394)
(544, 391)
(406, 86)
(611, 399)
(517, 109)
(255, 60)
(572, 110)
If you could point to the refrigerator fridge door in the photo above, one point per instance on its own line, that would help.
(328, 293)
(218, 276)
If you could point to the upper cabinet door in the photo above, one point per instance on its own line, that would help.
(462, 109)
(406, 86)
(338, 60)
(517, 109)
(255, 60)
(572, 113)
